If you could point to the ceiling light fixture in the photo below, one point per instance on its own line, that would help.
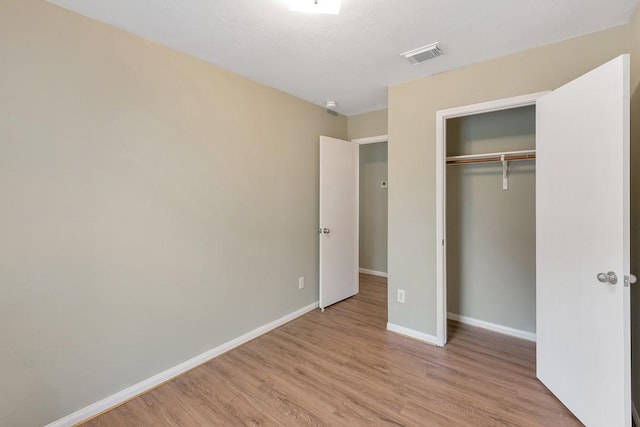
(330, 7)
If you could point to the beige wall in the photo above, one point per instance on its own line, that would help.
(364, 125)
(491, 233)
(153, 207)
(373, 207)
(635, 203)
(412, 109)
(131, 178)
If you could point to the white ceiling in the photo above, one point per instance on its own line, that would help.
(351, 58)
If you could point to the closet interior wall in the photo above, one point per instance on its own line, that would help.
(491, 232)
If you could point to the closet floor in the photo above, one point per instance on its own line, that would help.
(342, 367)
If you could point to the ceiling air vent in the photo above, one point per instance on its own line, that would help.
(423, 53)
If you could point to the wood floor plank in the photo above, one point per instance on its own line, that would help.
(342, 368)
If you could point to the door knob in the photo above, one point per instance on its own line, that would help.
(326, 231)
(609, 278)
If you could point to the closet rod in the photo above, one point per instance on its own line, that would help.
(492, 157)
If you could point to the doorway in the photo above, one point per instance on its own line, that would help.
(490, 222)
(373, 208)
(444, 119)
(340, 218)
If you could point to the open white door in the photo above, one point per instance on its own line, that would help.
(338, 220)
(582, 214)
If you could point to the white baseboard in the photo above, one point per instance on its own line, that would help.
(137, 389)
(636, 416)
(412, 333)
(373, 272)
(529, 336)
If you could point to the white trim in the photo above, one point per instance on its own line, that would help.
(441, 118)
(374, 272)
(357, 220)
(412, 333)
(371, 139)
(636, 417)
(491, 106)
(129, 393)
(505, 330)
(320, 223)
(441, 262)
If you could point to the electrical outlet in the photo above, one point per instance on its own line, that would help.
(301, 282)
(401, 295)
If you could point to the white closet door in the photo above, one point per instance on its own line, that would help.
(582, 214)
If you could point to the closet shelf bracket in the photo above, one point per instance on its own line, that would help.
(505, 173)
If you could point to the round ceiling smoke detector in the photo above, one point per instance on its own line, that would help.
(331, 105)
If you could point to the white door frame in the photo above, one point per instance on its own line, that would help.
(364, 141)
(371, 139)
(441, 192)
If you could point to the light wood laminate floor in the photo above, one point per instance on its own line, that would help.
(342, 368)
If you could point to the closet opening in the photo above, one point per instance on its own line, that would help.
(486, 217)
